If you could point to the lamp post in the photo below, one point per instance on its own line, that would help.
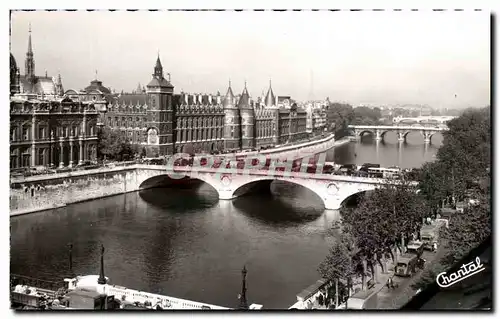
(102, 278)
(243, 296)
(71, 260)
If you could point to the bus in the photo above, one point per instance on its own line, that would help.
(380, 172)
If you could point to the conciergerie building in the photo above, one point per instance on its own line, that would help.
(154, 117)
(164, 123)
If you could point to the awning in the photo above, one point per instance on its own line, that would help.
(311, 290)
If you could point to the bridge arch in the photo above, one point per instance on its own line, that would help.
(331, 193)
(405, 134)
(383, 132)
(164, 180)
(264, 184)
(360, 133)
(431, 134)
(355, 196)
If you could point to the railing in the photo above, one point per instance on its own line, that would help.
(72, 172)
(170, 302)
(40, 284)
(391, 127)
(273, 173)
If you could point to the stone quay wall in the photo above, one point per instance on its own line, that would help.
(43, 194)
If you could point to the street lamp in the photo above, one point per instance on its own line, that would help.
(243, 295)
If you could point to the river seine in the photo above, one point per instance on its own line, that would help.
(187, 244)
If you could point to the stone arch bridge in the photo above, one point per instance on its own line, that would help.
(56, 190)
(402, 131)
(333, 190)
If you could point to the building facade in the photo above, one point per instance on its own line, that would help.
(46, 128)
(57, 132)
(316, 117)
(202, 123)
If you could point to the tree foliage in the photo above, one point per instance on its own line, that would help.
(382, 217)
(373, 228)
(114, 146)
(363, 115)
(396, 210)
(467, 230)
(339, 263)
(340, 116)
(466, 150)
(462, 170)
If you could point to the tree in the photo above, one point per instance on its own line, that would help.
(113, 145)
(366, 116)
(383, 218)
(466, 150)
(340, 265)
(462, 169)
(338, 117)
(434, 184)
(467, 230)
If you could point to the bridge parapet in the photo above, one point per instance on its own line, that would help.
(332, 189)
(402, 131)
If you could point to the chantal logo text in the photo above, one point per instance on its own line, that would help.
(465, 271)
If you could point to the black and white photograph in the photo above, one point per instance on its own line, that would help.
(250, 160)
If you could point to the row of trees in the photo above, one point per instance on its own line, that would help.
(462, 171)
(385, 220)
(114, 146)
(340, 116)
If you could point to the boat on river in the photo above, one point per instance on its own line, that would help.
(85, 292)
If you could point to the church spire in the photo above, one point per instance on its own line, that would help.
(270, 99)
(30, 61)
(158, 68)
(58, 85)
(30, 49)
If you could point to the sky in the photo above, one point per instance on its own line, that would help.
(440, 59)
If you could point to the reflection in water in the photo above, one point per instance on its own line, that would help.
(387, 152)
(282, 209)
(194, 253)
(186, 243)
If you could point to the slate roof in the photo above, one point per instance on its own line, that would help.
(97, 85)
(41, 85)
(132, 99)
(155, 82)
(229, 98)
(244, 101)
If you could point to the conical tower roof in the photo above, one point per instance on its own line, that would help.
(244, 101)
(270, 98)
(229, 98)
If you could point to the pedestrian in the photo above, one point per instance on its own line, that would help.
(391, 284)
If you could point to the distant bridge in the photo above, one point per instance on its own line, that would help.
(402, 131)
(423, 119)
